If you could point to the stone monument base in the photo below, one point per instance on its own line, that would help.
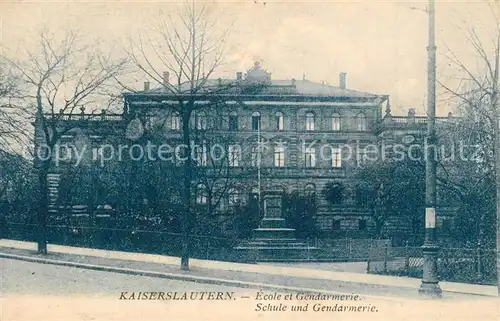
(273, 241)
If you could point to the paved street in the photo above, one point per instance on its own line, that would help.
(33, 291)
(20, 277)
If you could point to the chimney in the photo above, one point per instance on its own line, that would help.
(166, 81)
(146, 86)
(342, 80)
(239, 76)
(411, 115)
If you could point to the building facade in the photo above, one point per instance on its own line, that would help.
(259, 133)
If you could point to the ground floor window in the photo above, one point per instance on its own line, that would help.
(362, 224)
(336, 225)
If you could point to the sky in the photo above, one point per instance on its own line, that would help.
(381, 45)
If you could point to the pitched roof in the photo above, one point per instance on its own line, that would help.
(275, 87)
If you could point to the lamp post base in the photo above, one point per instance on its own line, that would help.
(430, 290)
(430, 281)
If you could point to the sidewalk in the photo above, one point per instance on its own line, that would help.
(264, 276)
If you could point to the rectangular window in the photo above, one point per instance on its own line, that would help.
(201, 155)
(234, 154)
(309, 121)
(362, 197)
(336, 157)
(201, 194)
(362, 224)
(336, 123)
(233, 197)
(280, 121)
(201, 121)
(279, 156)
(360, 122)
(336, 225)
(310, 157)
(176, 122)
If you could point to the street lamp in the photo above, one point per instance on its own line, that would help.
(430, 283)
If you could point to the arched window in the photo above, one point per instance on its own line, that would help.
(201, 121)
(233, 197)
(310, 189)
(256, 120)
(336, 122)
(254, 198)
(201, 194)
(334, 193)
(280, 121)
(361, 122)
(176, 121)
(233, 121)
(309, 121)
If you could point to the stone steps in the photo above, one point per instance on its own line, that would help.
(273, 233)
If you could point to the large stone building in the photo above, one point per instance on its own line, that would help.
(310, 134)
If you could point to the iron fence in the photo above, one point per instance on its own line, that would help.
(130, 236)
(465, 265)
(346, 249)
(126, 239)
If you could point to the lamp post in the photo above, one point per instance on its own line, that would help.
(430, 283)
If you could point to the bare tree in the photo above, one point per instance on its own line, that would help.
(190, 51)
(13, 114)
(61, 78)
(478, 97)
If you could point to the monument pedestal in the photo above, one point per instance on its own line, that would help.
(273, 240)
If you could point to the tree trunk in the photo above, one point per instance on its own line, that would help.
(43, 205)
(187, 221)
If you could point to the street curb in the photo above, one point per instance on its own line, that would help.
(188, 278)
(200, 279)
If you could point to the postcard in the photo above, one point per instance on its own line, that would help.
(249, 160)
